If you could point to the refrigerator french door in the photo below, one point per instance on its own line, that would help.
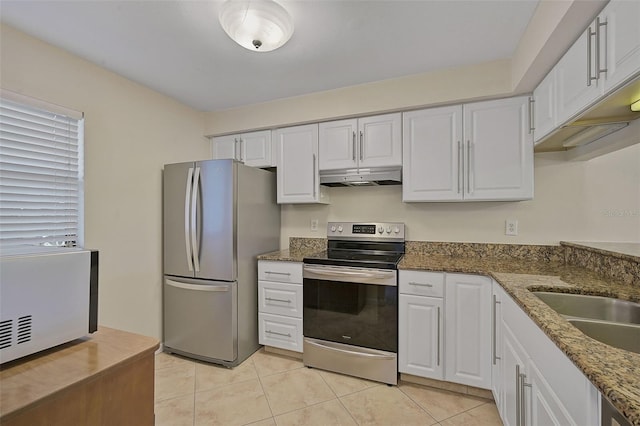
(199, 226)
(218, 215)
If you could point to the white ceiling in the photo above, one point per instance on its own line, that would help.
(178, 47)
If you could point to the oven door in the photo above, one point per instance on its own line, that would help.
(355, 306)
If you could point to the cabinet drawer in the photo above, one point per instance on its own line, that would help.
(280, 299)
(280, 332)
(422, 283)
(285, 272)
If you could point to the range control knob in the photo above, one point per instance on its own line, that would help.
(380, 229)
(333, 228)
(388, 229)
(340, 228)
(397, 230)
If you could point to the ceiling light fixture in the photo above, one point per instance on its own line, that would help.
(635, 106)
(257, 25)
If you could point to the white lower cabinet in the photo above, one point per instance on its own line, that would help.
(280, 304)
(280, 332)
(468, 330)
(539, 385)
(444, 327)
(420, 336)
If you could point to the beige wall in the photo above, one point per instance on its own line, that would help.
(130, 133)
(597, 200)
(480, 81)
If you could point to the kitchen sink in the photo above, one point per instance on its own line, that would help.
(622, 336)
(593, 307)
(611, 321)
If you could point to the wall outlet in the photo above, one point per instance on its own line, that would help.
(314, 224)
(511, 227)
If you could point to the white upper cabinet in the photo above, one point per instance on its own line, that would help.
(225, 147)
(544, 107)
(360, 143)
(620, 20)
(576, 73)
(297, 176)
(605, 57)
(432, 149)
(253, 148)
(339, 146)
(479, 151)
(380, 140)
(498, 149)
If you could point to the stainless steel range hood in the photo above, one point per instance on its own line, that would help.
(362, 177)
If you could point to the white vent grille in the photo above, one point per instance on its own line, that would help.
(24, 329)
(6, 331)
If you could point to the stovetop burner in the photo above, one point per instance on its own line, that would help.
(365, 245)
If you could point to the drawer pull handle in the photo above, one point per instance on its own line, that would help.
(420, 284)
(278, 300)
(279, 334)
(278, 273)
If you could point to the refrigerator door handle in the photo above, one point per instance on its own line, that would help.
(185, 286)
(187, 195)
(194, 224)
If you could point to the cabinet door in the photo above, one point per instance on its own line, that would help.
(225, 147)
(498, 151)
(513, 362)
(297, 177)
(544, 107)
(496, 343)
(432, 154)
(338, 145)
(622, 36)
(542, 405)
(468, 319)
(380, 140)
(420, 336)
(255, 148)
(575, 93)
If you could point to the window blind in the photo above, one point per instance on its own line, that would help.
(40, 177)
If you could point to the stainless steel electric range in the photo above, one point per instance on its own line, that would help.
(350, 294)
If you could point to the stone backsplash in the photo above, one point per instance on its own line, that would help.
(608, 265)
(497, 251)
(307, 244)
(624, 268)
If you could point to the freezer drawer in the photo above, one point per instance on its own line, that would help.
(200, 318)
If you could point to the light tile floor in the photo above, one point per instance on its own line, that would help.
(269, 389)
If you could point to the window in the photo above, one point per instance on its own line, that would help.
(41, 175)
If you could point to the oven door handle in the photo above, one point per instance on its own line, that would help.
(347, 352)
(339, 273)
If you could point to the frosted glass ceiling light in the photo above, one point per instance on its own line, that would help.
(258, 25)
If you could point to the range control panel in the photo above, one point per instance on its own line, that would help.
(366, 230)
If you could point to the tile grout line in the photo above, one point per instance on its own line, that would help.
(437, 422)
(263, 391)
(339, 400)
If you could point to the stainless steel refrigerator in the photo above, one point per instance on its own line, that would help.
(218, 215)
